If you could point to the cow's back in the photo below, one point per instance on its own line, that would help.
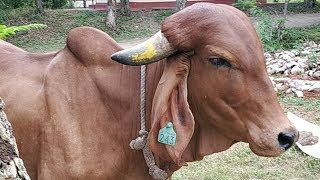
(21, 84)
(21, 73)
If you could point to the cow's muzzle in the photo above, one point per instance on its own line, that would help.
(288, 138)
(152, 50)
(272, 141)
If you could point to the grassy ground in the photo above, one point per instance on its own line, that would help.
(236, 163)
(60, 22)
(239, 163)
(140, 24)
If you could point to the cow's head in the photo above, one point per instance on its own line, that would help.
(230, 96)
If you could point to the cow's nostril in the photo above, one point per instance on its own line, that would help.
(286, 140)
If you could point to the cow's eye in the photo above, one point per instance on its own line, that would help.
(219, 62)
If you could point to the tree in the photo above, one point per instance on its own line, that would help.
(12, 166)
(111, 14)
(84, 3)
(180, 4)
(40, 6)
(285, 9)
(124, 7)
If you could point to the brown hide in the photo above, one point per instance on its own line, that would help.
(75, 111)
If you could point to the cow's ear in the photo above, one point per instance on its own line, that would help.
(170, 105)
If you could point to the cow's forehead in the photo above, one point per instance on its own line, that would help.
(231, 30)
(216, 25)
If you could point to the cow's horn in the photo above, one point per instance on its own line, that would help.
(154, 49)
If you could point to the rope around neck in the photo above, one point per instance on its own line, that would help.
(140, 143)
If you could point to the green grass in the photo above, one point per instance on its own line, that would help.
(59, 22)
(309, 109)
(310, 105)
(302, 35)
(140, 24)
(159, 16)
(239, 163)
(232, 165)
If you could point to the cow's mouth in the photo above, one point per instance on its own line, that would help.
(270, 145)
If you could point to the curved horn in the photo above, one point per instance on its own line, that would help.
(154, 49)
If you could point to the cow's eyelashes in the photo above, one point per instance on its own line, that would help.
(219, 62)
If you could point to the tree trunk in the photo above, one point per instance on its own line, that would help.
(308, 3)
(71, 4)
(11, 165)
(111, 14)
(124, 7)
(285, 9)
(180, 4)
(84, 3)
(39, 6)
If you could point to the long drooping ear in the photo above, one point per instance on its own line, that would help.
(170, 105)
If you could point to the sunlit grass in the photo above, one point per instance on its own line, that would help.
(240, 163)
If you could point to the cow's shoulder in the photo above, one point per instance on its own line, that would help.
(91, 46)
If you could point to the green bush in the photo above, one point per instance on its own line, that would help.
(274, 35)
(9, 31)
(269, 30)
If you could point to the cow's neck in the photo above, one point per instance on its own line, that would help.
(153, 74)
(122, 98)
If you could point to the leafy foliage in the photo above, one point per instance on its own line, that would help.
(270, 31)
(9, 31)
(275, 36)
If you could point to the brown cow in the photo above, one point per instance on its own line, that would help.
(75, 111)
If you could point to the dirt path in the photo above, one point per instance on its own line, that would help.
(297, 20)
(302, 20)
